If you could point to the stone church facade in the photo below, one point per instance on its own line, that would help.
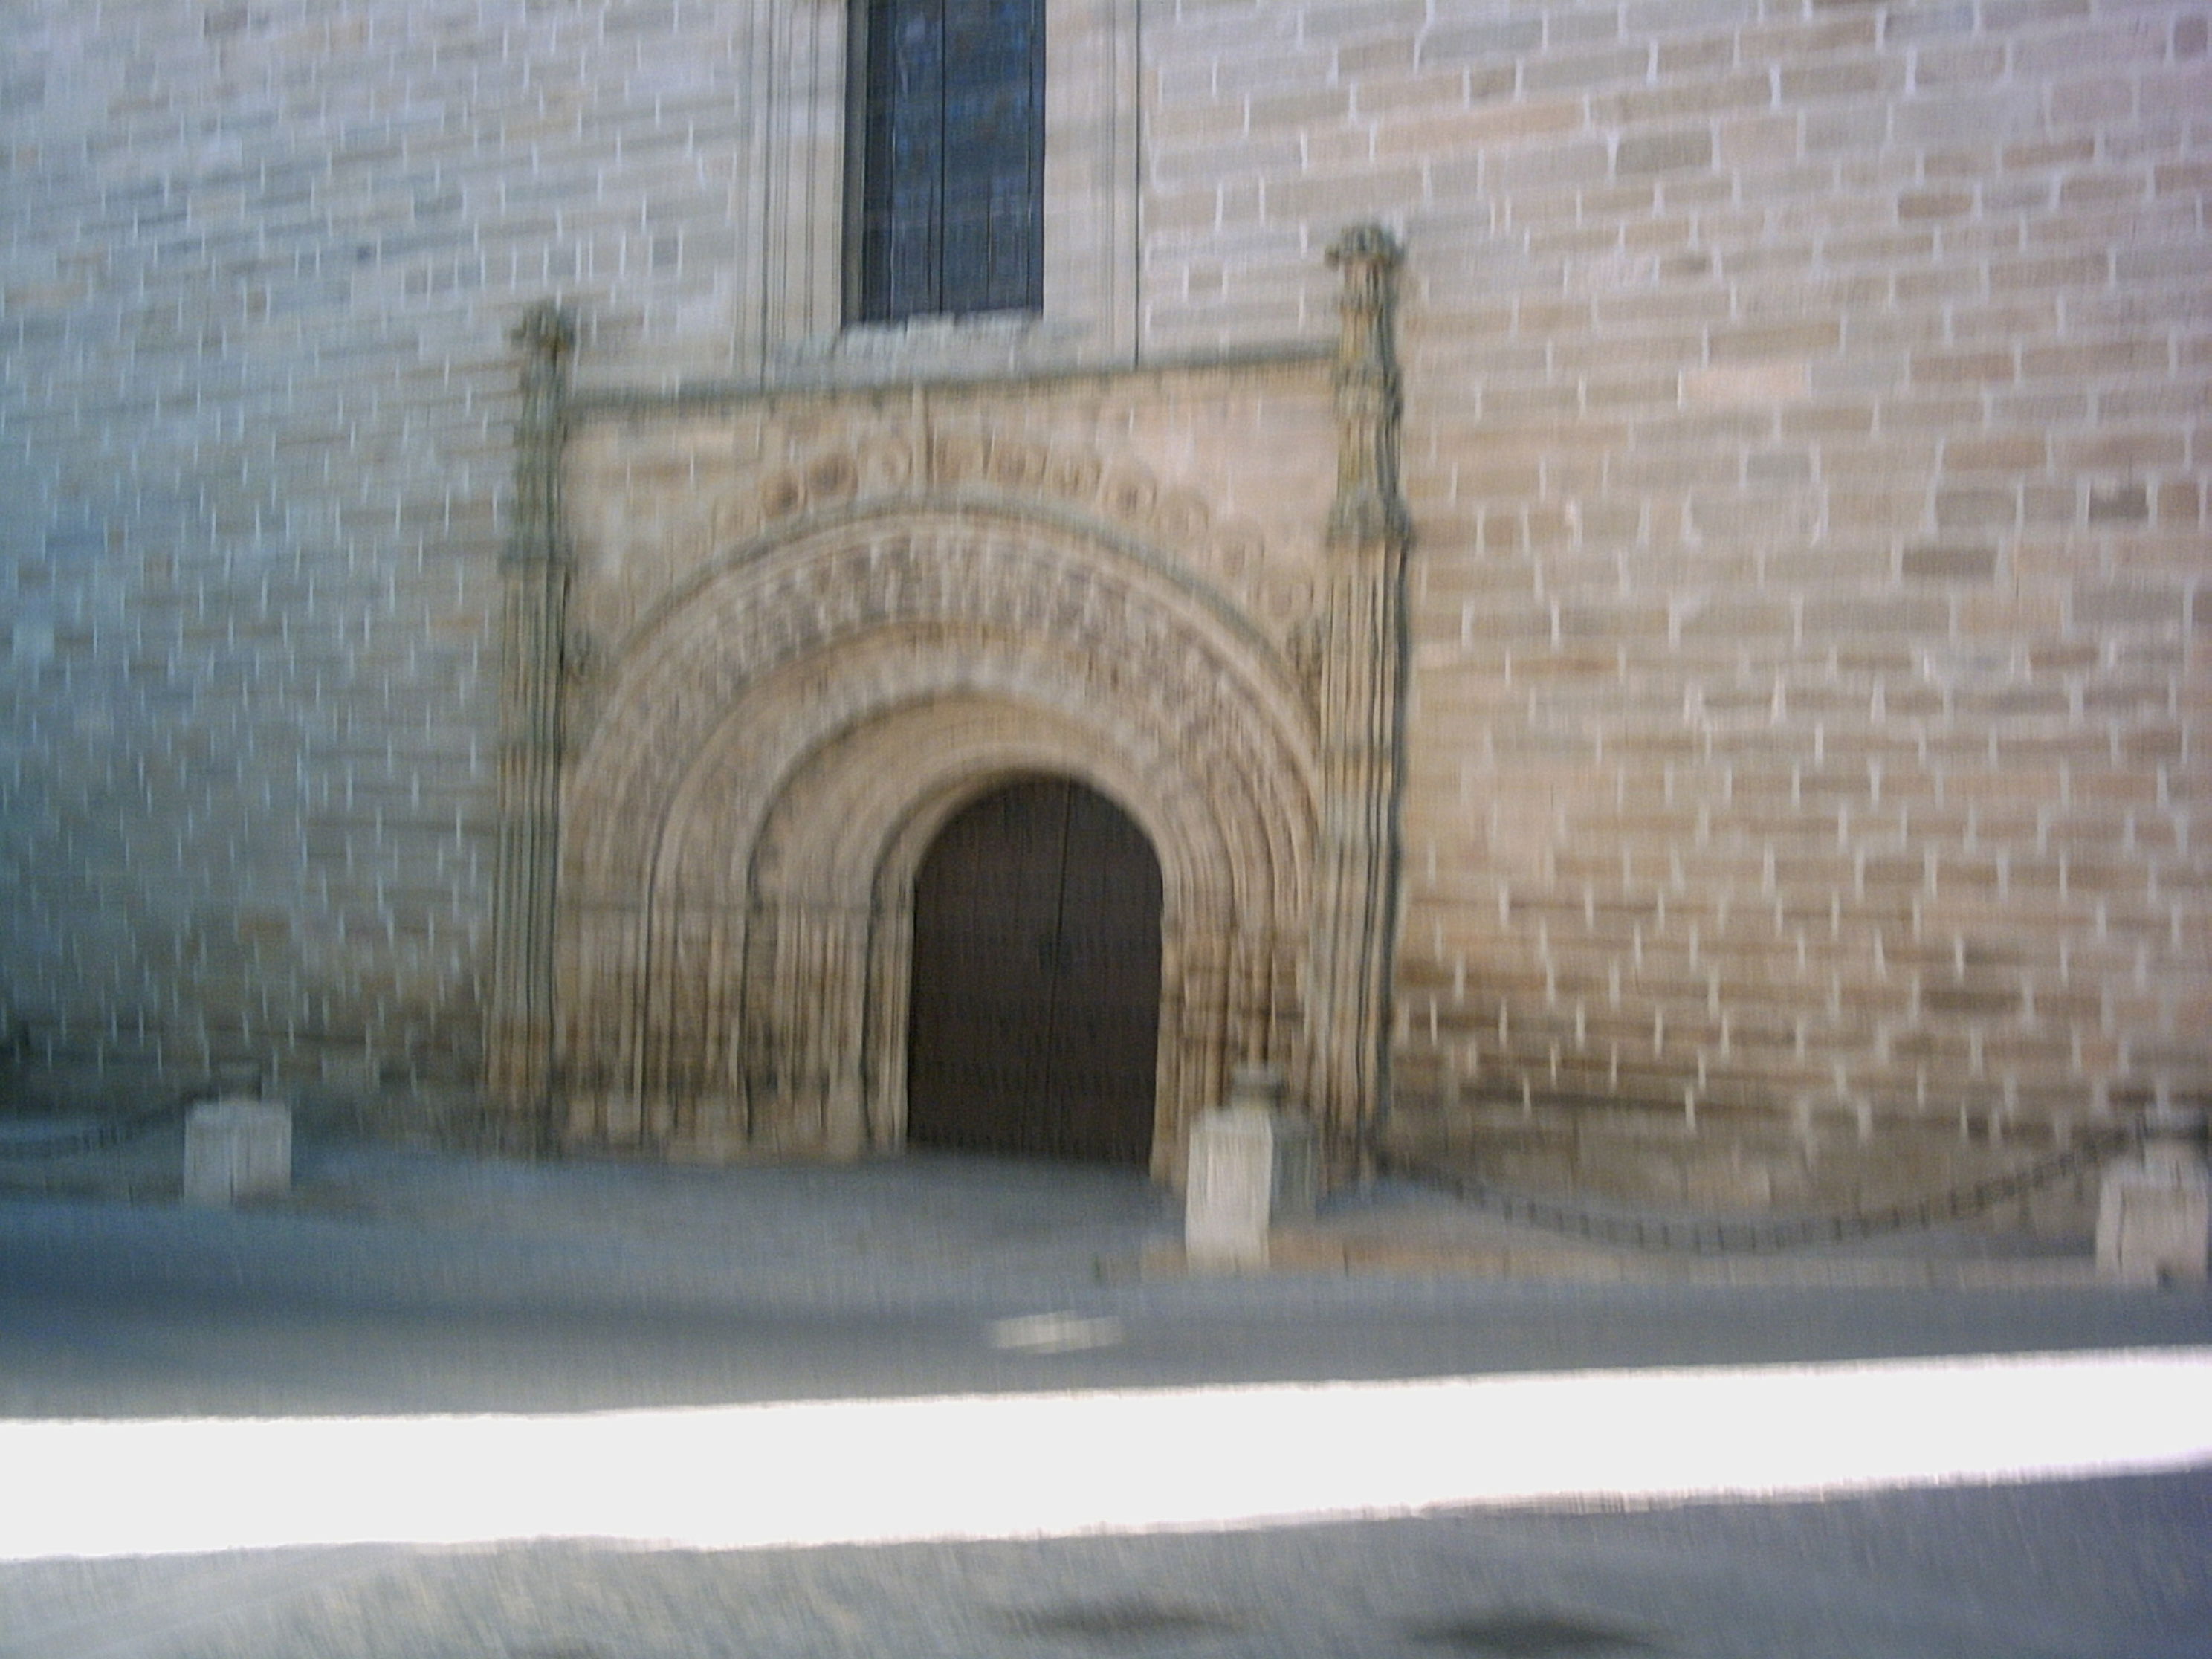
(1639, 568)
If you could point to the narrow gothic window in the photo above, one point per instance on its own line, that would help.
(950, 130)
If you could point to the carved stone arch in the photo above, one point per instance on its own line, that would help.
(772, 755)
(682, 736)
(806, 612)
(938, 757)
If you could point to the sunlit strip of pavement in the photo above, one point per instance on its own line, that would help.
(1062, 1465)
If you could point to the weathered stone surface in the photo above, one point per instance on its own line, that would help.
(237, 1149)
(755, 780)
(1253, 1168)
(1803, 448)
(2154, 1215)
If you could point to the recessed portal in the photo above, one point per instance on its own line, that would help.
(1035, 1009)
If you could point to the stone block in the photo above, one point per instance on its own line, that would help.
(237, 1149)
(1252, 1167)
(2154, 1215)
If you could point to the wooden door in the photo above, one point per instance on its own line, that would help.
(1034, 1018)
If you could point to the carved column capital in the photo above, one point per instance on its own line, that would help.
(1367, 253)
(546, 330)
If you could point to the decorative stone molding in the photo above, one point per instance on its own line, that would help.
(1369, 511)
(1126, 492)
(518, 1049)
(800, 637)
(790, 737)
(1359, 656)
(880, 462)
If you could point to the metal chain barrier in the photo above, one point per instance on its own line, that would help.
(1703, 1236)
(1700, 1236)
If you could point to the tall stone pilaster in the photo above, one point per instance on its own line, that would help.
(519, 1036)
(1362, 684)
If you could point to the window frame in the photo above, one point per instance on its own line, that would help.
(793, 327)
(865, 304)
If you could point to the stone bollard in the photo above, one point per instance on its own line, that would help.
(1252, 1166)
(2155, 1210)
(236, 1149)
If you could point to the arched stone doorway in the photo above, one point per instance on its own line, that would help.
(1033, 1020)
(757, 651)
(766, 772)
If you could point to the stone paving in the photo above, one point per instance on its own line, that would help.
(426, 1280)
(923, 1217)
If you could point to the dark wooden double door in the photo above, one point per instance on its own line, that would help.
(1034, 1018)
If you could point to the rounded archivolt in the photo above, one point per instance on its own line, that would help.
(769, 763)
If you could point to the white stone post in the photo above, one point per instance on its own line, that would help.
(2155, 1210)
(237, 1149)
(1252, 1167)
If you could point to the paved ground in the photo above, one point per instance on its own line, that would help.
(502, 1286)
(2112, 1569)
(873, 1225)
(400, 1282)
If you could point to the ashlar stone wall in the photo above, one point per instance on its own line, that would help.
(256, 400)
(1806, 440)
(1804, 435)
